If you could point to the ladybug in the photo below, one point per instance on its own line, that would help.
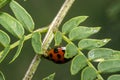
(57, 55)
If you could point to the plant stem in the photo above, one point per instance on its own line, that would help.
(41, 30)
(56, 22)
(48, 38)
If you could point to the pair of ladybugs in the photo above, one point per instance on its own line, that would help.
(57, 55)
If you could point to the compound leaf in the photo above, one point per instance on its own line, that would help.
(58, 38)
(88, 74)
(82, 32)
(36, 43)
(71, 50)
(72, 23)
(2, 76)
(50, 77)
(3, 3)
(109, 66)
(4, 53)
(92, 43)
(4, 38)
(18, 50)
(11, 24)
(77, 64)
(114, 77)
(101, 54)
(22, 15)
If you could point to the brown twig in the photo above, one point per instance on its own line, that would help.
(48, 38)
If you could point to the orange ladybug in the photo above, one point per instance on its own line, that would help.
(57, 55)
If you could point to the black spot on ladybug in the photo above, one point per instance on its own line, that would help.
(51, 55)
(63, 51)
(55, 50)
(58, 56)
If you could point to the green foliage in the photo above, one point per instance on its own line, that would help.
(101, 54)
(20, 45)
(58, 38)
(114, 77)
(92, 43)
(11, 24)
(76, 37)
(22, 15)
(82, 32)
(3, 3)
(4, 38)
(15, 27)
(2, 76)
(71, 50)
(96, 54)
(88, 74)
(36, 43)
(50, 77)
(78, 63)
(109, 66)
(72, 23)
(4, 53)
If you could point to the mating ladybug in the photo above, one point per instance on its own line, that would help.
(57, 55)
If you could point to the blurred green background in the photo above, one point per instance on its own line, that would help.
(104, 13)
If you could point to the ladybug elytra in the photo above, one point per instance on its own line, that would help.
(57, 55)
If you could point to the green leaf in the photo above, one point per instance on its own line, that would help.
(22, 15)
(78, 63)
(71, 50)
(58, 38)
(88, 74)
(115, 55)
(4, 53)
(3, 3)
(50, 77)
(92, 43)
(82, 32)
(101, 54)
(4, 38)
(36, 43)
(109, 66)
(72, 23)
(11, 24)
(114, 77)
(2, 76)
(18, 50)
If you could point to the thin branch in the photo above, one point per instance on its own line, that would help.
(48, 38)
(27, 37)
(41, 30)
(56, 22)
